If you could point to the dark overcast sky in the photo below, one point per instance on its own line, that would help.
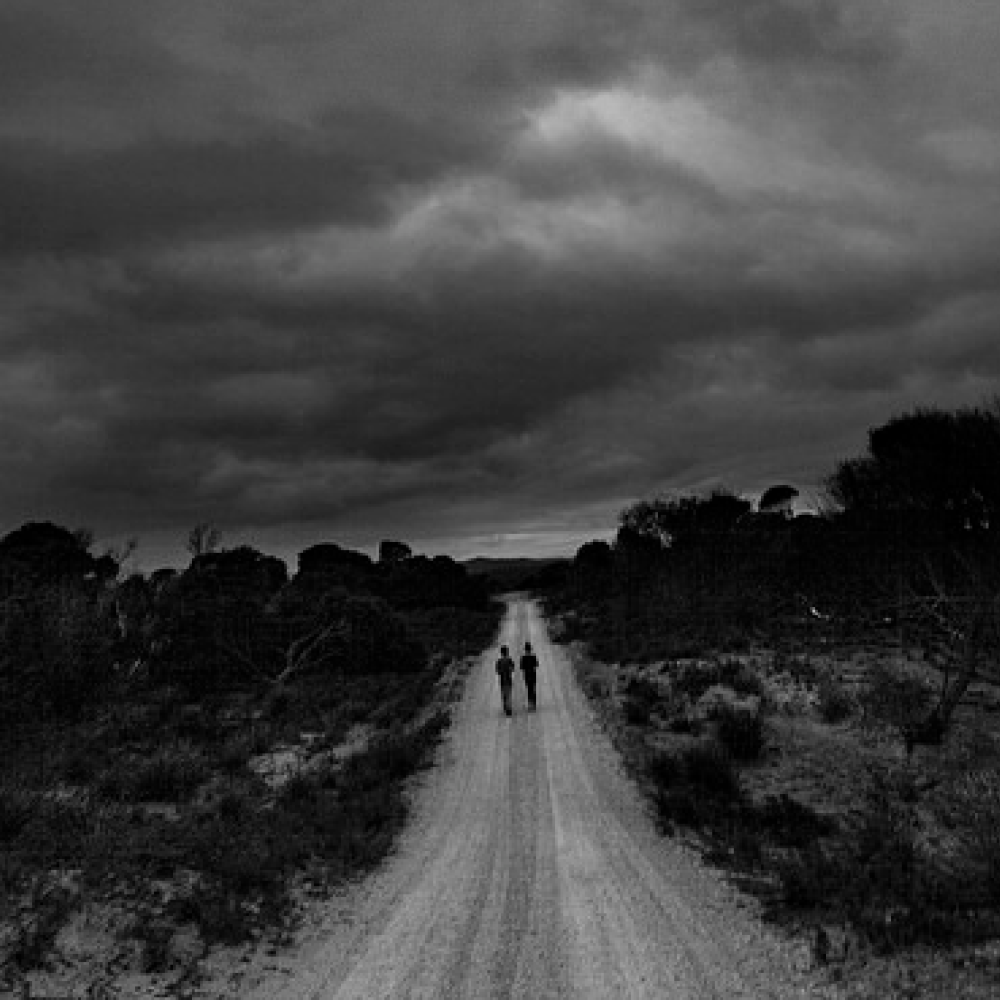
(477, 274)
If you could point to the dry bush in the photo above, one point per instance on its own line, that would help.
(834, 702)
(693, 786)
(897, 696)
(741, 731)
(17, 806)
(170, 775)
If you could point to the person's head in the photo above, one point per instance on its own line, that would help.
(504, 651)
(527, 647)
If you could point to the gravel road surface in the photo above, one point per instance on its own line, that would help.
(532, 869)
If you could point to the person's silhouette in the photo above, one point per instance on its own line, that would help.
(505, 671)
(529, 668)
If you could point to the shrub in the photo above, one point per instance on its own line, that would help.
(235, 753)
(834, 700)
(35, 931)
(170, 775)
(642, 689)
(877, 882)
(243, 860)
(80, 768)
(236, 806)
(16, 810)
(810, 878)
(196, 722)
(741, 731)
(709, 768)
(693, 788)
(637, 713)
(665, 770)
(277, 704)
(221, 917)
(897, 697)
(741, 678)
(790, 823)
(694, 679)
(155, 938)
(680, 805)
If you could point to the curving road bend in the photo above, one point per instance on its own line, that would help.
(533, 870)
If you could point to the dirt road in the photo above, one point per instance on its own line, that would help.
(532, 870)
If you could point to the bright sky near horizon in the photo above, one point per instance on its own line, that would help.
(477, 275)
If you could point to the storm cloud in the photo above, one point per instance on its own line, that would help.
(477, 276)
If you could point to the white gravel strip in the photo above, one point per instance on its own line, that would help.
(532, 869)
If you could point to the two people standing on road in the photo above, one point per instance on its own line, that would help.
(505, 671)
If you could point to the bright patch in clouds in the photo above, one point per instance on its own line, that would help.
(682, 131)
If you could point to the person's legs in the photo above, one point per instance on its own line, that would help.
(529, 683)
(505, 693)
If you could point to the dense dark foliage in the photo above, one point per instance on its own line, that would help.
(910, 541)
(175, 689)
(69, 627)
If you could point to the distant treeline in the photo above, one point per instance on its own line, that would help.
(73, 623)
(910, 536)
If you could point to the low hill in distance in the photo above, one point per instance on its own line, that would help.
(516, 574)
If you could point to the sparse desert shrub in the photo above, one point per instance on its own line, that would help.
(898, 697)
(277, 704)
(16, 810)
(681, 805)
(741, 731)
(128, 723)
(154, 937)
(170, 775)
(975, 816)
(80, 768)
(221, 917)
(392, 757)
(693, 679)
(741, 678)
(789, 822)
(637, 712)
(234, 755)
(195, 722)
(242, 861)
(834, 701)
(693, 787)
(878, 882)
(596, 688)
(237, 806)
(49, 907)
(810, 878)
(675, 800)
(801, 668)
(643, 689)
(685, 724)
(665, 769)
(709, 768)
(300, 790)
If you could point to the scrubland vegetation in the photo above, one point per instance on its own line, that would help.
(186, 757)
(815, 699)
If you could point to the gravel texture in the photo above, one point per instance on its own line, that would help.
(532, 869)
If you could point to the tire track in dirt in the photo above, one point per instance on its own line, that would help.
(532, 870)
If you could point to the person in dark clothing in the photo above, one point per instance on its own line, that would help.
(529, 668)
(505, 671)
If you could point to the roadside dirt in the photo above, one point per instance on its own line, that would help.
(532, 869)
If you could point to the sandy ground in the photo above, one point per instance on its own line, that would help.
(532, 869)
